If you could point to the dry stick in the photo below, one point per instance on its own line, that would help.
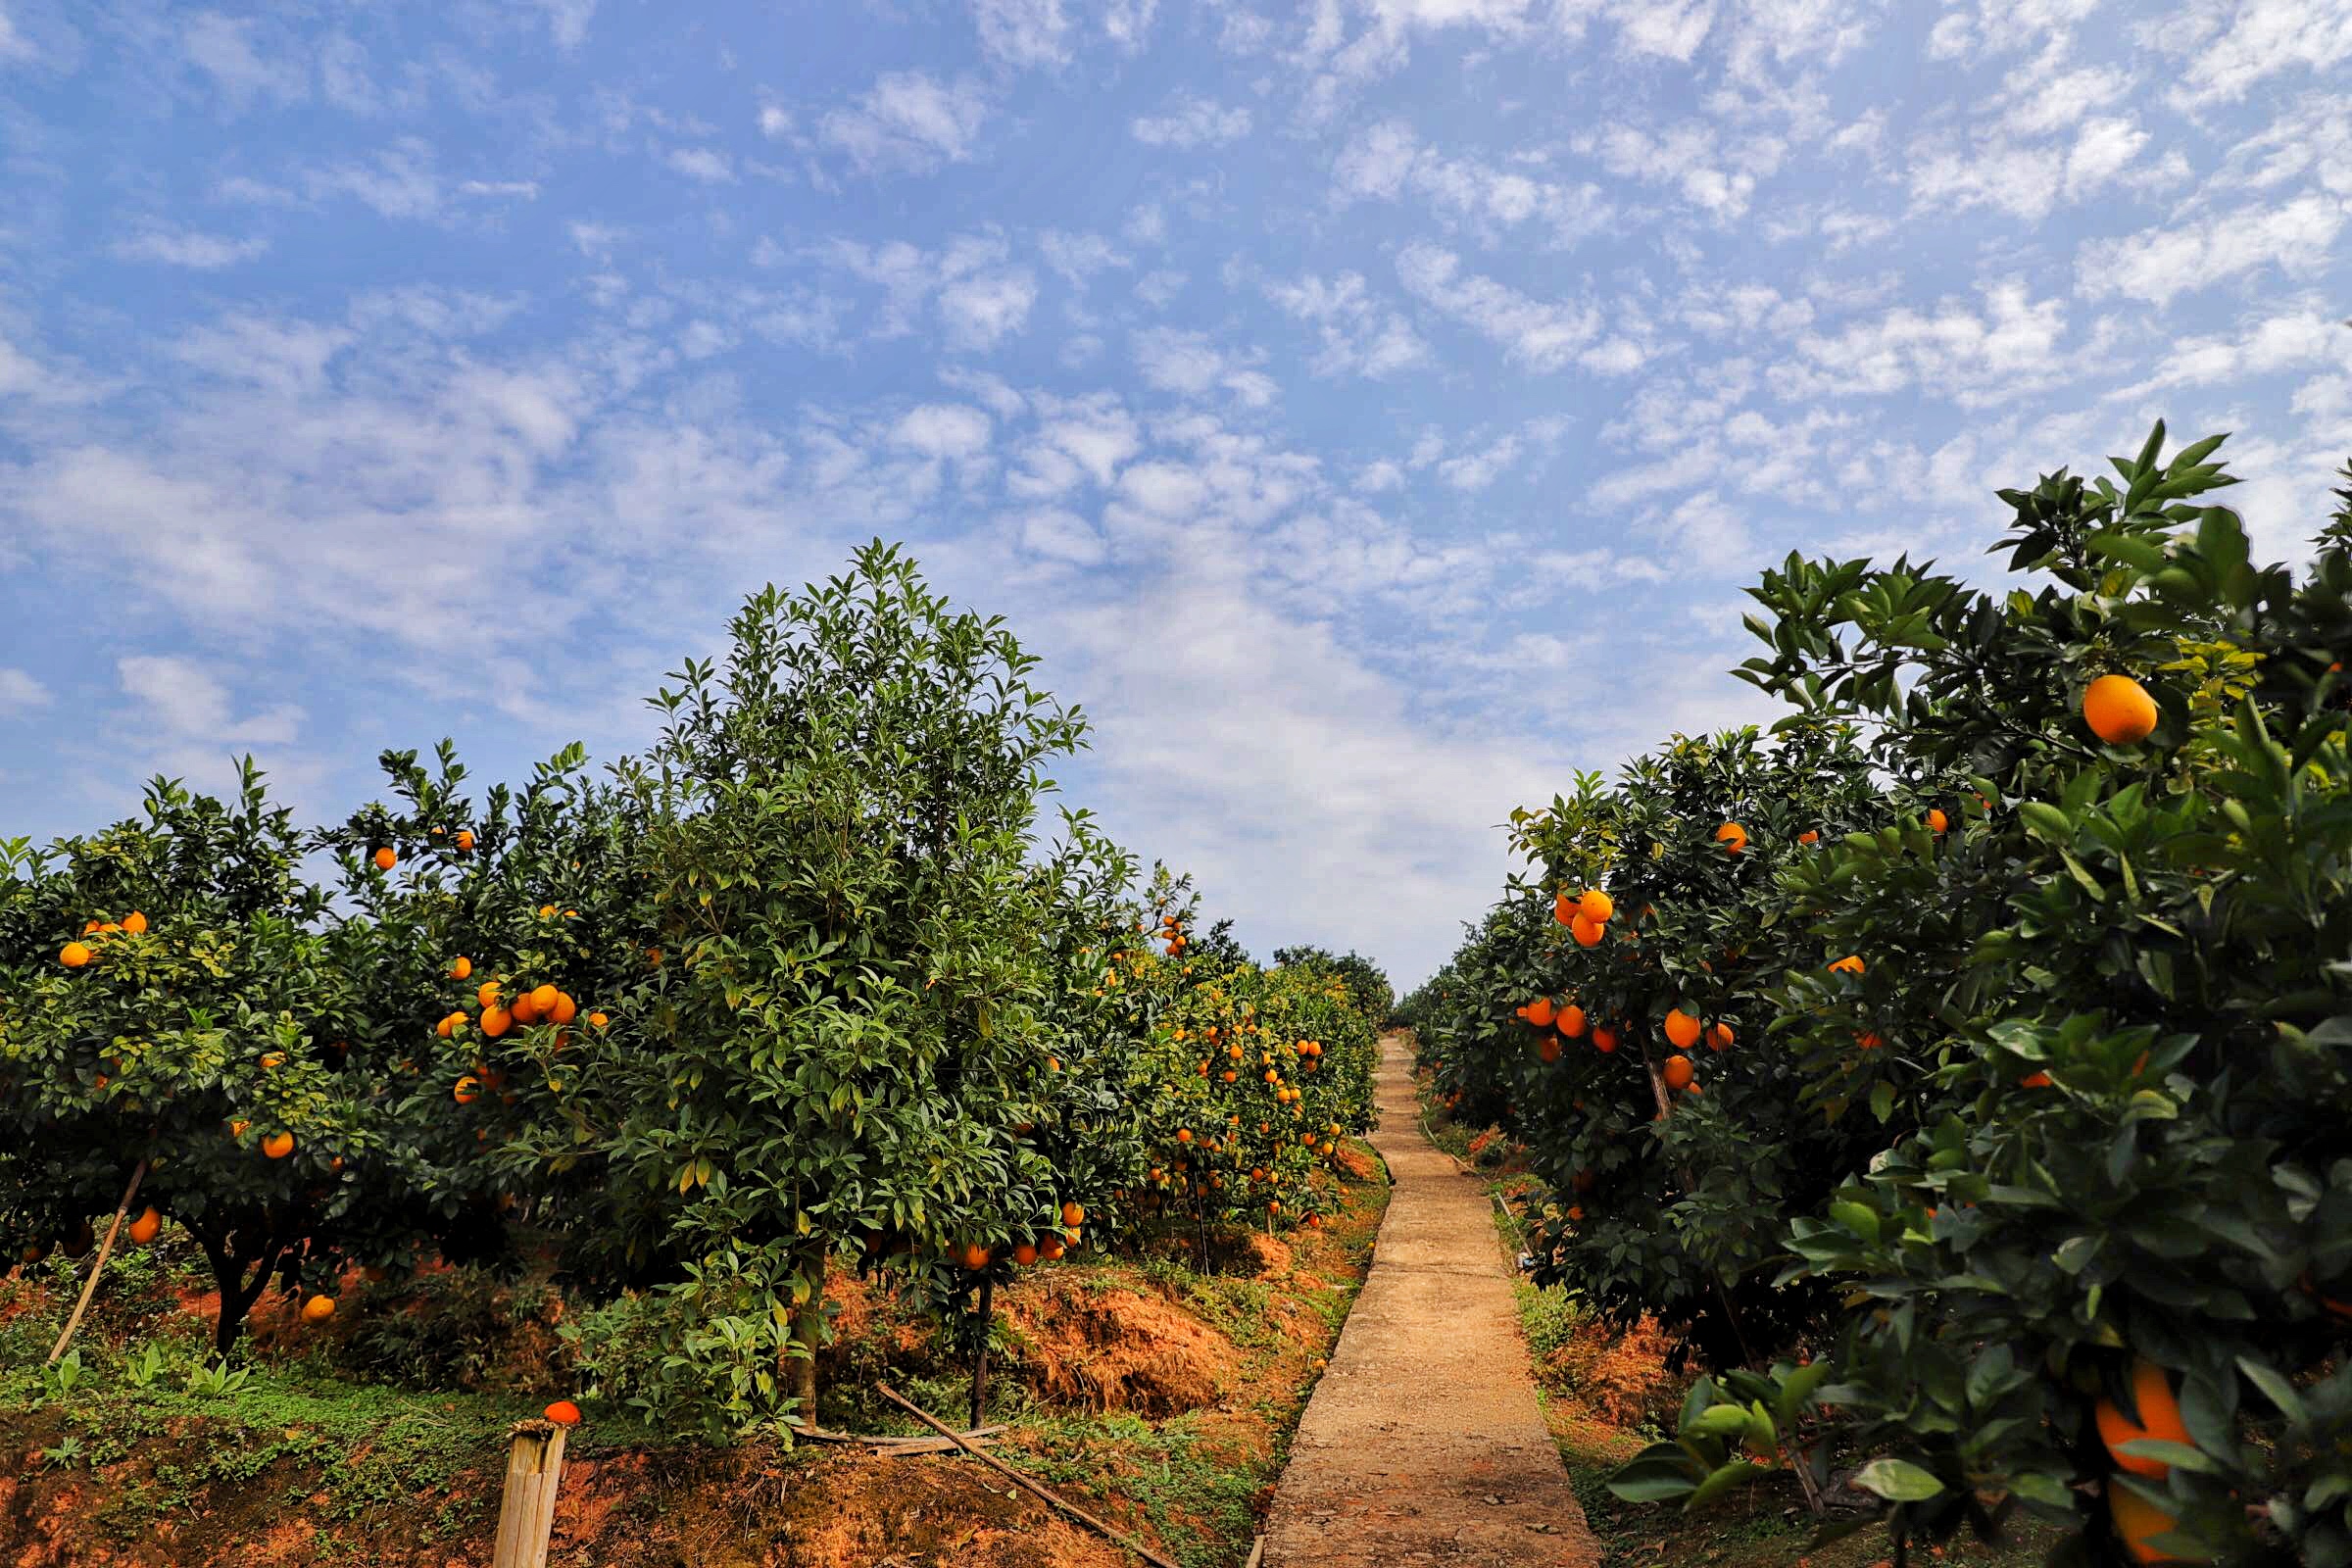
(1020, 1480)
(90, 1286)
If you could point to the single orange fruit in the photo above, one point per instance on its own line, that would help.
(1576, 1212)
(598, 1020)
(1604, 1040)
(278, 1146)
(486, 994)
(496, 1021)
(464, 840)
(1073, 1214)
(145, 1228)
(1870, 1040)
(75, 955)
(975, 1257)
(445, 1026)
(1024, 1254)
(1720, 1037)
(135, 923)
(1809, 836)
(2159, 1418)
(1588, 933)
(1597, 905)
(2139, 1522)
(1184, 1134)
(1570, 1021)
(544, 999)
(2038, 1080)
(1681, 1030)
(385, 860)
(1052, 1247)
(467, 1087)
(565, 1010)
(461, 969)
(1550, 1049)
(1563, 908)
(1732, 837)
(563, 1413)
(317, 1309)
(526, 1007)
(1851, 964)
(2119, 711)
(1936, 820)
(273, 1061)
(1677, 1072)
(1539, 1013)
(236, 1129)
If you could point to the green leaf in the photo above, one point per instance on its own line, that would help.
(1897, 1481)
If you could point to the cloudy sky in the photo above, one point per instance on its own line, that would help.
(1370, 409)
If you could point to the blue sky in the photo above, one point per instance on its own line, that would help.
(1371, 408)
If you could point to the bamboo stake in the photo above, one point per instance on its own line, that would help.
(527, 1513)
(1020, 1480)
(89, 1287)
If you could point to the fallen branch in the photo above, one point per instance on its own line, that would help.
(89, 1287)
(1020, 1480)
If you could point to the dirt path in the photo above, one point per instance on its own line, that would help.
(1423, 1443)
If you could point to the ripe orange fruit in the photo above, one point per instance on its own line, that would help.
(1809, 836)
(461, 969)
(2137, 1523)
(543, 1001)
(2038, 1080)
(1597, 905)
(1870, 1040)
(1732, 837)
(1539, 1013)
(1936, 820)
(1720, 1037)
(1550, 1049)
(467, 1087)
(1184, 1134)
(317, 1309)
(273, 1061)
(1570, 1021)
(1073, 1214)
(565, 1010)
(486, 994)
(1604, 1040)
(1588, 933)
(526, 1007)
(2159, 1418)
(135, 923)
(385, 860)
(598, 1020)
(563, 1413)
(145, 1228)
(278, 1146)
(496, 1021)
(1851, 964)
(447, 1025)
(464, 840)
(236, 1129)
(2119, 711)
(1052, 1247)
(75, 955)
(1682, 1031)
(1677, 1072)
(1024, 1254)
(1576, 1212)
(974, 1257)
(1563, 908)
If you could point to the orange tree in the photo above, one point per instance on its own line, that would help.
(179, 1000)
(1612, 1017)
(854, 1017)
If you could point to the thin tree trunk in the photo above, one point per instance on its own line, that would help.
(89, 1287)
(808, 1330)
(986, 1316)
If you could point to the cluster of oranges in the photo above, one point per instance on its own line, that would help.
(1584, 915)
(499, 1015)
(1171, 932)
(1051, 1245)
(76, 954)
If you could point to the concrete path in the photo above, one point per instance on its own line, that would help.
(1423, 1443)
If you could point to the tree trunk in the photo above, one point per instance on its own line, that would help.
(986, 1316)
(808, 1330)
(239, 1290)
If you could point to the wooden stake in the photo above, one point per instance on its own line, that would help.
(89, 1287)
(527, 1514)
(988, 1287)
(1020, 1480)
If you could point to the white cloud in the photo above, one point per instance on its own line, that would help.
(2229, 46)
(1079, 257)
(1719, 180)
(1387, 162)
(2009, 349)
(775, 121)
(184, 699)
(399, 183)
(908, 121)
(1192, 123)
(185, 247)
(982, 310)
(1475, 471)
(20, 693)
(944, 430)
(2285, 341)
(1186, 363)
(1544, 336)
(567, 20)
(224, 48)
(1023, 32)
(1359, 335)
(703, 163)
(2158, 264)
(1064, 536)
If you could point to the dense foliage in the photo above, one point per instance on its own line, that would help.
(801, 988)
(2031, 923)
